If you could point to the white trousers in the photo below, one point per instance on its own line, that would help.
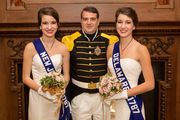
(87, 106)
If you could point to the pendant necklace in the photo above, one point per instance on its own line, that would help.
(88, 37)
(47, 45)
(123, 49)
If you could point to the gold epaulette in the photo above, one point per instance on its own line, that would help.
(68, 40)
(112, 38)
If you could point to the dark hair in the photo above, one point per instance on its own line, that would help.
(51, 12)
(90, 9)
(130, 12)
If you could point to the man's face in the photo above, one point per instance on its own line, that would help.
(89, 22)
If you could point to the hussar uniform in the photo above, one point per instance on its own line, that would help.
(88, 62)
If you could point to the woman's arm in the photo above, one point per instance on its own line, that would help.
(66, 64)
(109, 54)
(27, 66)
(109, 51)
(145, 61)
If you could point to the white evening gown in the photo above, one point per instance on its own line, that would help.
(39, 107)
(132, 70)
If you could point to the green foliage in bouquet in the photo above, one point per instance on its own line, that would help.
(53, 82)
(50, 81)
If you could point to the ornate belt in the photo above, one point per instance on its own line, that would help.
(85, 85)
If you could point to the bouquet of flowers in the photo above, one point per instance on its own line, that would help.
(109, 85)
(54, 83)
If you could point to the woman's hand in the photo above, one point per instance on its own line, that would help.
(121, 95)
(47, 95)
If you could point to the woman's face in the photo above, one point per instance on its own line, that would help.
(49, 26)
(89, 22)
(124, 26)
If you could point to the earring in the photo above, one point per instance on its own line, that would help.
(40, 27)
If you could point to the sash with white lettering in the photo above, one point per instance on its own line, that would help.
(65, 112)
(134, 102)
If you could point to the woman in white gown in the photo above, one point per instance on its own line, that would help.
(134, 58)
(43, 106)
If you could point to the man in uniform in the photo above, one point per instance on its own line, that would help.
(88, 62)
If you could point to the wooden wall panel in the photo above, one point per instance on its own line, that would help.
(177, 9)
(3, 88)
(178, 81)
(70, 12)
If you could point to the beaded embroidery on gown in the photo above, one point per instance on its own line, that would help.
(132, 70)
(39, 107)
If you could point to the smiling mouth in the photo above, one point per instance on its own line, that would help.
(49, 32)
(89, 26)
(123, 31)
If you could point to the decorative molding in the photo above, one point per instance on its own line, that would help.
(143, 29)
(17, 48)
(17, 87)
(157, 45)
(163, 89)
(167, 59)
(164, 85)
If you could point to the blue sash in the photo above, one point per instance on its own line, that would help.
(65, 113)
(134, 102)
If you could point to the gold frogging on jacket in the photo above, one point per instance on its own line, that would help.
(97, 51)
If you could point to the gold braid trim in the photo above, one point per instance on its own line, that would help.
(88, 76)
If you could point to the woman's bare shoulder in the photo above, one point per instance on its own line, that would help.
(29, 46)
(29, 49)
(63, 46)
(110, 47)
(139, 45)
(110, 50)
(142, 47)
(143, 50)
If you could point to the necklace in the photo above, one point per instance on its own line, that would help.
(47, 45)
(88, 37)
(123, 49)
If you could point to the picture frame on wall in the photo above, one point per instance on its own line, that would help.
(87, 1)
(15, 5)
(165, 4)
(20, 4)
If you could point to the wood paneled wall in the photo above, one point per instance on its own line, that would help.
(148, 10)
(18, 23)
